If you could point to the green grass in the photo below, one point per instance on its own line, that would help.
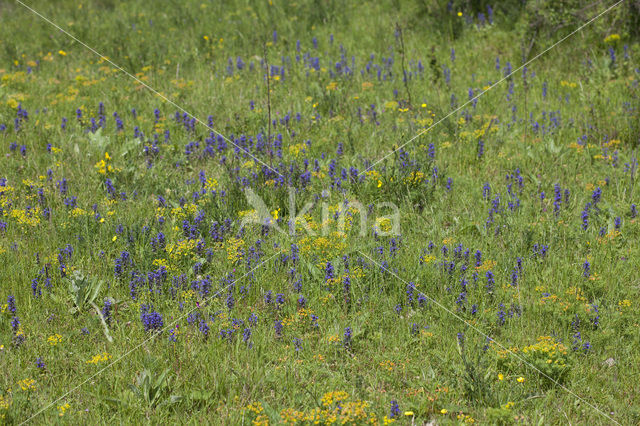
(426, 348)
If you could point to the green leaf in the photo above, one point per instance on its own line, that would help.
(98, 141)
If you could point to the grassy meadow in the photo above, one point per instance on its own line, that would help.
(317, 212)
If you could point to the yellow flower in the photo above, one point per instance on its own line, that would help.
(459, 13)
(105, 356)
(508, 405)
(391, 105)
(624, 303)
(612, 38)
(444, 411)
(428, 258)
(62, 409)
(27, 384)
(62, 53)
(500, 376)
(332, 397)
(4, 405)
(520, 379)
(408, 413)
(55, 339)
(101, 166)
(115, 237)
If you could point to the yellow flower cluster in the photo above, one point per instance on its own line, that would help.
(103, 166)
(297, 318)
(465, 418)
(414, 178)
(27, 384)
(547, 345)
(553, 298)
(383, 224)
(4, 406)
(346, 217)
(428, 258)
(78, 212)
(292, 416)
(602, 157)
(181, 249)
(333, 338)
(547, 355)
(185, 212)
(181, 83)
(425, 122)
(250, 214)
(24, 217)
(486, 265)
(392, 105)
(16, 77)
(233, 247)
(297, 149)
(4, 403)
(350, 412)
(577, 292)
(103, 357)
(54, 339)
(564, 83)
(20, 331)
(157, 263)
(211, 184)
(489, 126)
(426, 333)
(374, 176)
(257, 409)
(609, 236)
(626, 303)
(612, 38)
(387, 365)
(254, 407)
(28, 183)
(324, 248)
(333, 397)
(366, 85)
(62, 409)
(576, 146)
